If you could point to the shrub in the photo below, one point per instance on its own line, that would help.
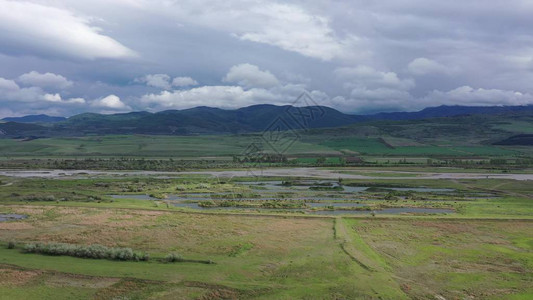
(141, 256)
(10, 245)
(173, 257)
(121, 254)
(92, 251)
(30, 248)
(39, 198)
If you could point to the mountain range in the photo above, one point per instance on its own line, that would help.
(35, 119)
(208, 120)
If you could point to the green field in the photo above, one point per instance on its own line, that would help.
(373, 146)
(226, 146)
(482, 250)
(464, 136)
(380, 223)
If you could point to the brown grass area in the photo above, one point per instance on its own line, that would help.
(163, 231)
(74, 280)
(11, 276)
(15, 226)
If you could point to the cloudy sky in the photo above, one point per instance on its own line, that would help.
(63, 57)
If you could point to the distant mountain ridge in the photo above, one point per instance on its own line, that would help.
(35, 119)
(448, 111)
(208, 120)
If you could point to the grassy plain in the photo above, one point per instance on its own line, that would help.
(288, 257)
(483, 250)
(229, 145)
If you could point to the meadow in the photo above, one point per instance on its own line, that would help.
(428, 209)
(482, 249)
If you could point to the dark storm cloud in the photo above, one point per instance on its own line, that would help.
(65, 57)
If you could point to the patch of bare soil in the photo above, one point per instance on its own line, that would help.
(126, 287)
(74, 280)
(216, 291)
(15, 226)
(10, 276)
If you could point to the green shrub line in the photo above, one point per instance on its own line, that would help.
(94, 251)
(173, 257)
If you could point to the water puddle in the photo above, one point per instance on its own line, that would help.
(11, 217)
(336, 204)
(387, 211)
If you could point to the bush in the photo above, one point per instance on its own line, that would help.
(92, 251)
(30, 248)
(141, 256)
(122, 254)
(173, 257)
(39, 198)
(10, 245)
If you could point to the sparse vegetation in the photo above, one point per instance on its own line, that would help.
(91, 251)
(283, 237)
(173, 257)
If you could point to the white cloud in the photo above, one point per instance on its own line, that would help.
(287, 26)
(371, 100)
(46, 80)
(292, 28)
(161, 81)
(215, 96)
(10, 91)
(227, 97)
(44, 30)
(381, 94)
(368, 77)
(371, 89)
(52, 97)
(364, 100)
(58, 99)
(183, 81)
(110, 102)
(248, 76)
(467, 95)
(164, 81)
(424, 66)
(76, 100)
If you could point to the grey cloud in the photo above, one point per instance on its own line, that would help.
(423, 66)
(46, 80)
(156, 80)
(353, 55)
(183, 81)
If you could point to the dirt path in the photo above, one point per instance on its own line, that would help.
(346, 244)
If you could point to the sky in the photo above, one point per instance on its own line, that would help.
(64, 57)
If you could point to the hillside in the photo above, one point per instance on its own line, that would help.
(471, 136)
(35, 119)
